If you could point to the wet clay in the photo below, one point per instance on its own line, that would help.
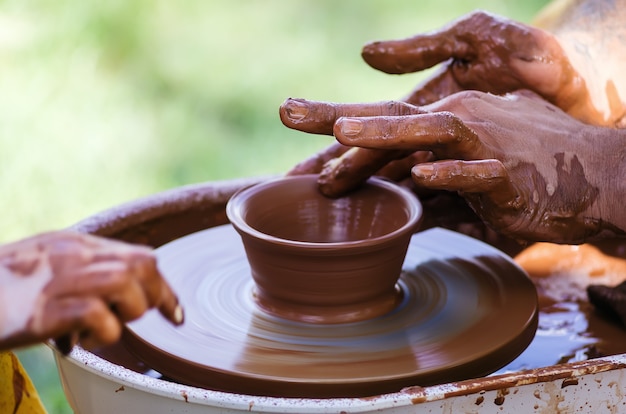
(322, 260)
(443, 330)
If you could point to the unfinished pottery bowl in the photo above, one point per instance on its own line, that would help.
(325, 260)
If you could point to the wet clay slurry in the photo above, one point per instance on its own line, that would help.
(321, 260)
(464, 314)
(570, 328)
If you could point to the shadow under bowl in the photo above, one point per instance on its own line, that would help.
(325, 260)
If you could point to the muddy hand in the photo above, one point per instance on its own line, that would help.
(480, 52)
(526, 168)
(76, 287)
(483, 52)
(576, 65)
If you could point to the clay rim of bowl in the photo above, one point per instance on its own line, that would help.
(236, 203)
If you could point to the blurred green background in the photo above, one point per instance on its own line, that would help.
(106, 101)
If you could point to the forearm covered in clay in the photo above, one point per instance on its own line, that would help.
(590, 186)
(607, 172)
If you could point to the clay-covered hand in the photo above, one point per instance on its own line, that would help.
(573, 69)
(77, 287)
(480, 51)
(489, 53)
(528, 169)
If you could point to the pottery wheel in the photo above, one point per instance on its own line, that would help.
(467, 311)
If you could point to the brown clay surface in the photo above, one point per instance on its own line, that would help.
(467, 310)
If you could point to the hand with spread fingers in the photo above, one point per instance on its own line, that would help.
(528, 169)
(76, 287)
(574, 66)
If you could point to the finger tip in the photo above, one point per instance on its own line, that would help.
(283, 106)
(337, 179)
(348, 130)
(382, 56)
(422, 170)
(368, 50)
(423, 174)
(293, 111)
(178, 316)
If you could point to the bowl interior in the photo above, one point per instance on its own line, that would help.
(294, 209)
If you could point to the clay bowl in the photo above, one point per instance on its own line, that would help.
(321, 260)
